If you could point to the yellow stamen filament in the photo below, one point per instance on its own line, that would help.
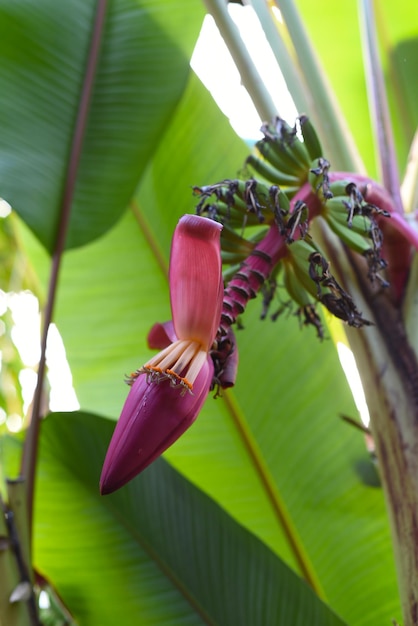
(186, 357)
(181, 362)
(196, 365)
(166, 357)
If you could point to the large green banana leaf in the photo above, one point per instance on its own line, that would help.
(61, 149)
(157, 552)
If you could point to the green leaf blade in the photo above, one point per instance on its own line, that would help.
(159, 551)
(136, 84)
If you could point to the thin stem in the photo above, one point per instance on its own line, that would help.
(293, 78)
(324, 110)
(151, 239)
(301, 557)
(24, 572)
(378, 104)
(250, 77)
(409, 187)
(30, 451)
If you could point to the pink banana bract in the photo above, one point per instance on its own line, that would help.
(168, 392)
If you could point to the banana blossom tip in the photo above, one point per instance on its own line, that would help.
(154, 416)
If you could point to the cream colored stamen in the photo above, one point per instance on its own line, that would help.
(180, 362)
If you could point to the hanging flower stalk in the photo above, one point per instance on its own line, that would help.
(168, 392)
(295, 187)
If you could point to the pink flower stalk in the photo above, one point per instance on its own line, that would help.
(251, 275)
(168, 392)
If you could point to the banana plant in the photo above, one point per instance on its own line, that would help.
(142, 223)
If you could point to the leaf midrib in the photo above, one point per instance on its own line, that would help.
(30, 452)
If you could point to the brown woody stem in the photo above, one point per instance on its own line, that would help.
(388, 368)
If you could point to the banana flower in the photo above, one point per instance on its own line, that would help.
(168, 392)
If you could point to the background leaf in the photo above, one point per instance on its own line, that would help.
(159, 551)
(139, 77)
(336, 38)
